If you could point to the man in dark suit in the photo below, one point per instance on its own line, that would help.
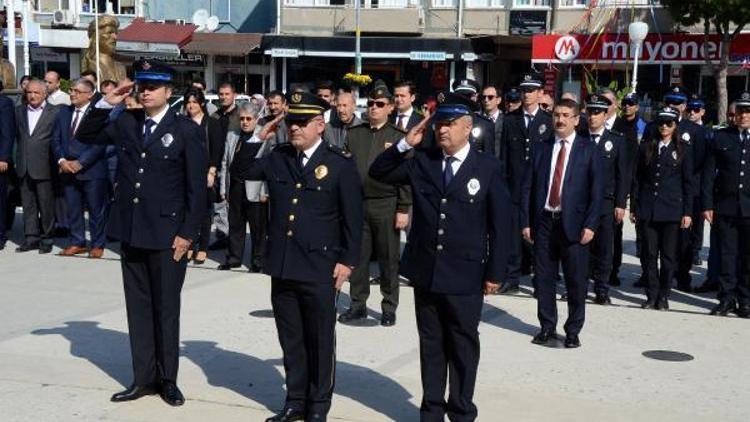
(83, 171)
(561, 203)
(456, 249)
(35, 122)
(617, 180)
(725, 195)
(522, 128)
(492, 99)
(7, 139)
(483, 129)
(314, 237)
(159, 205)
(405, 116)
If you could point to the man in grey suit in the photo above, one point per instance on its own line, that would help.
(337, 129)
(35, 122)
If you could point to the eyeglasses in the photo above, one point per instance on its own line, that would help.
(667, 123)
(488, 97)
(79, 91)
(694, 110)
(379, 104)
(246, 119)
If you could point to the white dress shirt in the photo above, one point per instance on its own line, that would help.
(598, 135)
(610, 122)
(58, 98)
(458, 158)
(157, 118)
(34, 114)
(404, 116)
(81, 111)
(494, 115)
(308, 153)
(555, 152)
(528, 116)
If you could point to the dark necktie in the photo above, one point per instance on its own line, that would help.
(661, 149)
(529, 118)
(401, 121)
(595, 138)
(74, 125)
(147, 126)
(448, 170)
(554, 195)
(745, 138)
(300, 161)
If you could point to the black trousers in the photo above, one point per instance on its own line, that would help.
(660, 242)
(204, 235)
(242, 212)
(617, 247)
(448, 350)
(602, 253)
(734, 239)
(38, 202)
(305, 314)
(552, 248)
(381, 241)
(515, 260)
(690, 243)
(153, 282)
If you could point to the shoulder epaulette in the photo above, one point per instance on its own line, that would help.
(339, 151)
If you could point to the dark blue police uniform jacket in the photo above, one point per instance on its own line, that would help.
(161, 186)
(726, 177)
(663, 188)
(458, 237)
(316, 214)
(90, 156)
(582, 192)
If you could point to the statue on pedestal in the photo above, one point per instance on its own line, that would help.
(108, 66)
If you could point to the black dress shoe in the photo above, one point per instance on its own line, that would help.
(508, 288)
(602, 299)
(544, 337)
(649, 304)
(708, 286)
(743, 311)
(134, 392)
(45, 248)
(564, 296)
(27, 246)
(697, 261)
(572, 341)
(353, 314)
(723, 308)
(614, 281)
(388, 319)
(171, 394)
(662, 304)
(684, 287)
(219, 244)
(2, 246)
(256, 268)
(287, 415)
(316, 417)
(226, 266)
(640, 283)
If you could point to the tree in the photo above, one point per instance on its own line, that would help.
(722, 15)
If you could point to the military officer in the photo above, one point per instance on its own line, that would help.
(725, 195)
(159, 205)
(522, 128)
(662, 201)
(456, 249)
(315, 234)
(691, 134)
(617, 178)
(386, 209)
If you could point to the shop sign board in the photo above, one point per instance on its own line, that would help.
(427, 56)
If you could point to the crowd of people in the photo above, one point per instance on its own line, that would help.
(490, 185)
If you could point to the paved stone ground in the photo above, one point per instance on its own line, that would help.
(64, 351)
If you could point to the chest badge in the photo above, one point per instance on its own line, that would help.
(674, 155)
(542, 129)
(476, 132)
(388, 145)
(686, 137)
(321, 171)
(473, 187)
(608, 146)
(167, 140)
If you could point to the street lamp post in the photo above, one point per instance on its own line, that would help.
(637, 32)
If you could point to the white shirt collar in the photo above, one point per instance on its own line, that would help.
(160, 115)
(533, 113)
(600, 132)
(407, 114)
(494, 115)
(310, 151)
(568, 140)
(38, 109)
(611, 121)
(81, 110)
(664, 144)
(461, 154)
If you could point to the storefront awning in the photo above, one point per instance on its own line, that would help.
(221, 44)
(414, 48)
(154, 37)
(656, 49)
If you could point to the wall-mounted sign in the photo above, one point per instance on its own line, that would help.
(528, 22)
(427, 56)
(285, 52)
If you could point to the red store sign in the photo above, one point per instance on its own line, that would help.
(615, 48)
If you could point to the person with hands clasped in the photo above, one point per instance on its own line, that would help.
(662, 200)
(457, 249)
(314, 240)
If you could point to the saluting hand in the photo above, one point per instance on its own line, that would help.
(415, 135)
(119, 94)
(270, 127)
(341, 273)
(180, 246)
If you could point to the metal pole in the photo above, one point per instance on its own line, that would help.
(357, 52)
(10, 12)
(460, 24)
(96, 32)
(25, 13)
(635, 66)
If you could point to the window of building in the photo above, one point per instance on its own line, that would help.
(445, 3)
(485, 3)
(531, 3)
(118, 7)
(573, 3)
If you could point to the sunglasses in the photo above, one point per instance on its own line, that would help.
(667, 123)
(694, 110)
(246, 119)
(628, 104)
(378, 104)
(488, 97)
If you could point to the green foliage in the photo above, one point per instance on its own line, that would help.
(721, 13)
(592, 85)
(65, 85)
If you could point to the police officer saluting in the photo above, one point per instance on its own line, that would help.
(456, 249)
(315, 234)
(617, 177)
(725, 197)
(159, 205)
